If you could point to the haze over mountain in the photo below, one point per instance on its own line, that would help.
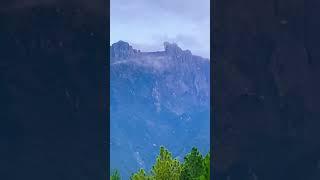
(157, 98)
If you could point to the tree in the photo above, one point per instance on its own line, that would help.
(140, 175)
(193, 166)
(115, 175)
(166, 168)
(206, 166)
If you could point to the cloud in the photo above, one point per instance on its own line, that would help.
(192, 9)
(149, 23)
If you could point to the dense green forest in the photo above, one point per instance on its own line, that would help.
(194, 167)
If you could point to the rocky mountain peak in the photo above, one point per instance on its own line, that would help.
(174, 50)
(122, 49)
(171, 47)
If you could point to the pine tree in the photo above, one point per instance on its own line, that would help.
(115, 175)
(166, 168)
(140, 175)
(206, 166)
(193, 166)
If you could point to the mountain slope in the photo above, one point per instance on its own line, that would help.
(157, 98)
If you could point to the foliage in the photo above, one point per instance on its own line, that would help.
(140, 175)
(166, 167)
(115, 176)
(194, 167)
(206, 167)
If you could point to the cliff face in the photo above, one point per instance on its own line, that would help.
(156, 98)
(266, 89)
(53, 91)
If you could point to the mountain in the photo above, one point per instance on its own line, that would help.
(157, 98)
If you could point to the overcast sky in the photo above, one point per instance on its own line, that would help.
(146, 24)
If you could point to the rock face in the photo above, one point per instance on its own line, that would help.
(121, 50)
(157, 98)
(266, 107)
(52, 91)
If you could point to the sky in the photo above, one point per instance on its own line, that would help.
(146, 24)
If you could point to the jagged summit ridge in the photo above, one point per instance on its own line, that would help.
(172, 57)
(123, 50)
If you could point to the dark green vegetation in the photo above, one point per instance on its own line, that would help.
(194, 167)
(115, 175)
